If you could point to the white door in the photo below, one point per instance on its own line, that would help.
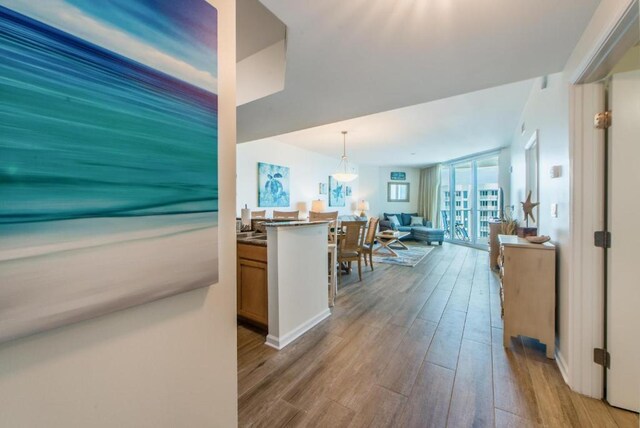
(623, 378)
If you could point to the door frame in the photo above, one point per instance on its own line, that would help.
(586, 285)
(612, 31)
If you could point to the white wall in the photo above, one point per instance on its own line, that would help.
(504, 175)
(308, 169)
(373, 188)
(262, 73)
(547, 110)
(163, 364)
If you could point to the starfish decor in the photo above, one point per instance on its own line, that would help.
(527, 207)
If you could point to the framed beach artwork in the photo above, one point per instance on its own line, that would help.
(322, 188)
(109, 153)
(398, 176)
(336, 193)
(273, 185)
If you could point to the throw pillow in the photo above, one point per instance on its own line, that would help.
(416, 221)
(394, 221)
(406, 218)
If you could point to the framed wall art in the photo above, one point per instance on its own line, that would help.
(336, 193)
(273, 185)
(109, 194)
(398, 176)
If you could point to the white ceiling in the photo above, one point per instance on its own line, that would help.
(256, 28)
(436, 131)
(352, 58)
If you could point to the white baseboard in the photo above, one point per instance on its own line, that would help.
(562, 366)
(282, 341)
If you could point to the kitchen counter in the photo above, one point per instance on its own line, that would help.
(298, 285)
(251, 238)
(282, 278)
(293, 223)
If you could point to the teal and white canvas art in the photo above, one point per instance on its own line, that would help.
(337, 193)
(108, 156)
(273, 185)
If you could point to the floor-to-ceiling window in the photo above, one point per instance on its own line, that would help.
(488, 196)
(463, 201)
(470, 198)
(445, 202)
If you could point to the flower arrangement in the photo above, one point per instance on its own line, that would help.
(509, 224)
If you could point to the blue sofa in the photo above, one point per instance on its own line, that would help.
(426, 232)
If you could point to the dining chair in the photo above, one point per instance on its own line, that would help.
(259, 214)
(291, 215)
(333, 261)
(318, 216)
(350, 246)
(369, 240)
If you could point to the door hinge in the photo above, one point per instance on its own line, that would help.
(602, 357)
(602, 239)
(602, 120)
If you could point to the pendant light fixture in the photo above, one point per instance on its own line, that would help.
(344, 173)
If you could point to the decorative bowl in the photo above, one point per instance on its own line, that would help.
(538, 239)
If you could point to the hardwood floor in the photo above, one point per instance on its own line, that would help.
(412, 347)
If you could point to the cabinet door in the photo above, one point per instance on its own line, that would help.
(252, 291)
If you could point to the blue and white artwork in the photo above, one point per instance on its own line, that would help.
(398, 176)
(322, 188)
(337, 193)
(108, 156)
(273, 185)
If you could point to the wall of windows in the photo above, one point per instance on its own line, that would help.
(470, 198)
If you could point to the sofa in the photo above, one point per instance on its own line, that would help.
(425, 232)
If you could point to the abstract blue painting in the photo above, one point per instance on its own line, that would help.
(108, 156)
(273, 185)
(337, 193)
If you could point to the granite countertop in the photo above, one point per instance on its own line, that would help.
(259, 239)
(294, 223)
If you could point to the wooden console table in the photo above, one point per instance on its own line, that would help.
(528, 290)
(494, 248)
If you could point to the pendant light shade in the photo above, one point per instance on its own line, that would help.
(344, 172)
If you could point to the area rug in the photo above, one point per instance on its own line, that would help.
(410, 257)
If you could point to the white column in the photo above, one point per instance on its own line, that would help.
(298, 288)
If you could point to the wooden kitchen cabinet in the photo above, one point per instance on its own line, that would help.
(252, 285)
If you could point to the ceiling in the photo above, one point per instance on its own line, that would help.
(425, 133)
(347, 59)
(256, 28)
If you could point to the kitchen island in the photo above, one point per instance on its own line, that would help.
(285, 292)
